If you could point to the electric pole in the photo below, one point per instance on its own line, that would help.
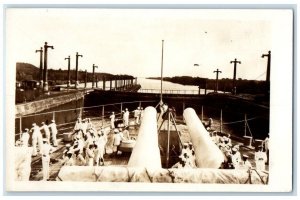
(217, 78)
(46, 46)
(268, 71)
(234, 75)
(268, 66)
(94, 66)
(76, 75)
(69, 60)
(41, 67)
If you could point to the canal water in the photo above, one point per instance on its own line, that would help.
(153, 86)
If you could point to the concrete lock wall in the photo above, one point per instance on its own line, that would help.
(38, 106)
(207, 154)
(146, 151)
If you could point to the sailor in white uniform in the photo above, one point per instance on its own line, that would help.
(112, 120)
(46, 150)
(46, 130)
(260, 159)
(25, 138)
(53, 129)
(236, 158)
(245, 164)
(126, 117)
(100, 148)
(37, 139)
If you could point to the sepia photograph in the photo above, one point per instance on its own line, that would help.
(186, 100)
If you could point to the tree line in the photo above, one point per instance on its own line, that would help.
(225, 84)
(26, 71)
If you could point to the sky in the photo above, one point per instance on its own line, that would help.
(130, 41)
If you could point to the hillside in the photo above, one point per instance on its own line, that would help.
(26, 71)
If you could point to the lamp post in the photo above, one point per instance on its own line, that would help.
(69, 60)
(41, 66)
(46, 46)
(217, 78)
(268, 66)
(268, 71)
(234, 75)
(76, 76)
(94, 66)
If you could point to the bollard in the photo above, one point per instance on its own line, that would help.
(146, 151)
(207, 154)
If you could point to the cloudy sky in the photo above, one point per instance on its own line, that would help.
(130, 41)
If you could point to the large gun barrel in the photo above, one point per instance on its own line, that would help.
(207, 154)
(146, 151)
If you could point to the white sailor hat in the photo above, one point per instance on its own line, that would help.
(126, 109)
(234, 149)
(53, 120)
(116, 130)
(222, 139)
(237, 147)
(245, 156)
(43, 123)
(34, 124)
(68, 145)
(45, 140)
(26, 129)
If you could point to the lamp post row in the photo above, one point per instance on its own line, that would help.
(43, 73)
(235, 62)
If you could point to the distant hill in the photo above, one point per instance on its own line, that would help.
(26, 71)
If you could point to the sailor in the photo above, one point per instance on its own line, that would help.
(245, 164)
(141, 113)
(46, 130)
(266, 147)
(84, 126)
(221, 144)
(137, 115)
(100, 148)
(260, 159)
(90, 155)
(183, 161)
(25, 138)
(117, 139)
(89, 124)
(68, 159)
(37, 138)
(215, 137)
(78, 125)
(126, 117)
(77, 149)
(209, 124)
(53, 129)
(112, 120)
(192, 157)
(126, 133)
(185, 149)
(46, 150)
(235, 157)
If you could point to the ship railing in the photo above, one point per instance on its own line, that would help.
(99, 112)
(157, 91)
(66, 117)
